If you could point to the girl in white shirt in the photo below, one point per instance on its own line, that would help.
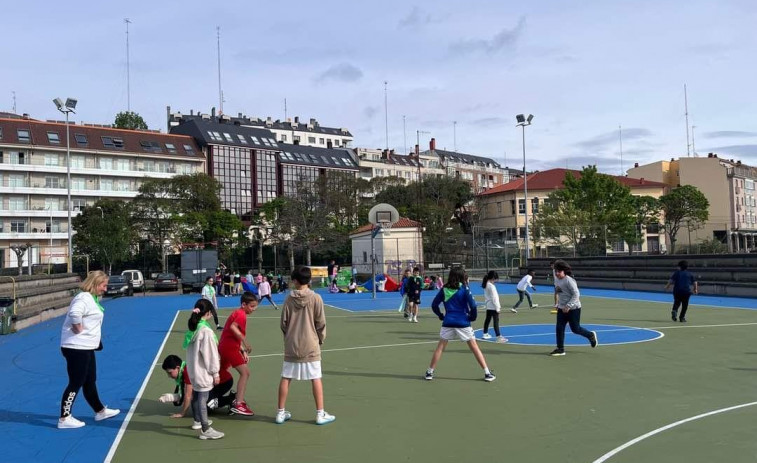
(522, 288)
(209, 293)
(493, 305)
(80, 337)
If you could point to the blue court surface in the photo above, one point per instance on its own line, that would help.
(32, 370)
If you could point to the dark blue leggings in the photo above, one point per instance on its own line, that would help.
(573, 318)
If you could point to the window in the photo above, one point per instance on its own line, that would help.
(16, 180)
(149, 166)
(23, 136)
(345, 142)
(106, 163)
(188, 149)
(171, 147)
(321, 141)
(53, 138)
(108, 142)
(283, 138)
(52, 182)
(52, 204)
(106, 184)
(499, 207)
(18, 226)
(122, 164)
(228, 137)
(78, 184)
(522, 231)
(336, 142)
(535, 205)
(81, 139)
(521, 206)
(77, 162)
(365, 257)
(16, 204)
(1, 133)
(242, 139)
(311, 140)
(78, 204)
(52, 160)
(619, 246)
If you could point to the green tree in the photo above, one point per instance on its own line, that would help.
(685, 204)
(105, 234)
(590, 211)
(130, 120)
(646, 212)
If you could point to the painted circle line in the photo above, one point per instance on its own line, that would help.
(617, 450)
(544, 335)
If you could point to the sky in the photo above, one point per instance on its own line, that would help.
(589, 71)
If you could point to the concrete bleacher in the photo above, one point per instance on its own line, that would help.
(39, 297)
(717, 274)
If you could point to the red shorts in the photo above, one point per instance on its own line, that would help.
(231, 356)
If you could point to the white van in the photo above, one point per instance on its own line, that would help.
(136, 278)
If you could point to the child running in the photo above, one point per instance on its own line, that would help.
(234, 350)
(413, 288)
(203, 363)
(209, 293)
(176, 369)
(682, 280)
(264, 290)
(303, 323)
(493, 305)
(522, 289)
(460, 311)
(568, 308)
(403, 293)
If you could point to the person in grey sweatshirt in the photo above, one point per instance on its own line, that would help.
(568, 308)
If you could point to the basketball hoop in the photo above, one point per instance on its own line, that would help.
(386, 227)
(382, 216)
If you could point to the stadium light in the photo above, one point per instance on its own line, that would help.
(522, 123)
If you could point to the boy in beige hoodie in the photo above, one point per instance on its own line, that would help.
(303, 323)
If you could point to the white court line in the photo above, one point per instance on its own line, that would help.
(281, 354)
(617, 450)
(122, 430)
(668, 302)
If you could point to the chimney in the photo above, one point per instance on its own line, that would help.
(709, 155)
(213, 112)
(641, 180)
(417, 152)
(313, 122)
(636, 164)
(191, 112)
(296, 119)
(432, 144)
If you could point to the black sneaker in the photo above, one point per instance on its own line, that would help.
(682, 320)
(219, 327)
(429, 375)
(674, 315)
(557, 352)
(593, 340)
(489, 377)
(405, 315)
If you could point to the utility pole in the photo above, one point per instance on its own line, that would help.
(386, 114)
(220, 92)
(686, 106)
(620, 138)
(128, 66)
(454, 136)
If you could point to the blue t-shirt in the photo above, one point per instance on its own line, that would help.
(682, 281)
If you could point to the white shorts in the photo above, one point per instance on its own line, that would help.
(301, 370)
(463, 334)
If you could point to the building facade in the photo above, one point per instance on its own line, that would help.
(291, 131)
(503, 210)
(104, 162)
(482, 172)
(730, 189)
(397, 249)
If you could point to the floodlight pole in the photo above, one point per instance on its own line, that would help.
(374, 232)
(68, 193)
(522, 122)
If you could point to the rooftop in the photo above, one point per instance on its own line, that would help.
(552, 179)
(403, 222)
(312, 126)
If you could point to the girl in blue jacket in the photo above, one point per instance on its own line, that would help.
(460, 311)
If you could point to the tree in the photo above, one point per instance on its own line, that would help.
(646, 212)
(685, 204)
(107, 236)
(588, 212)
(130, 120)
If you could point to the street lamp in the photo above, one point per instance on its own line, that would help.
(522, 123)
(66, 108)
(102, 214)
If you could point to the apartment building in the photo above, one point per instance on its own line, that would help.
(104, 162)
(730, 189)
(482, 172)
(253, 168)
(503, 209)
(382, 163)
(291, 130)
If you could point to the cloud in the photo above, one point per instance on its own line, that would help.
(730, 134)
(611, 138)
(343, 72)
(489, 121)
(414, 19)
(505, 39)
(733, 150)
(371, 111)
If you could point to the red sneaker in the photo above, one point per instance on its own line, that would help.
(240, 408)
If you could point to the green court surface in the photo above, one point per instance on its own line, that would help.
(575, 408)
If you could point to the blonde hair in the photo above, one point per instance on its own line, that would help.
(94, 279)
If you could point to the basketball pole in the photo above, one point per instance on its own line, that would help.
(374, 232)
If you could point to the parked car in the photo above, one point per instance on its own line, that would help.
(136, 278)
(117, 286)
(167, 281)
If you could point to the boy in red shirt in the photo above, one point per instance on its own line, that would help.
(234, 350)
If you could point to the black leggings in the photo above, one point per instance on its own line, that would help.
(492, 314)
(214, 312)
(82, 373)
(682, 300)
(219, 392)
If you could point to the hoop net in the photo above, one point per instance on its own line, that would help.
(386, 227)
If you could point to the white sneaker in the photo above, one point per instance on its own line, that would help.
(325, 418)
(415, 319)
(106, 413)
(486, 336)
(282, 416)
(514, 310)
(211, 434)
(197, 425)
(410, 319)
(212, 404)
(70, 422)
(535, 306)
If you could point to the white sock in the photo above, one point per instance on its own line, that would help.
(430, 370)
(319, 412)
(282, 410)
(487, 371)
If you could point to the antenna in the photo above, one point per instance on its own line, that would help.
(693, 146)
(686, 106)
(404, 135)
(128, 65)
(220, 92)
(14, 102)
(386, 115)
(620, 138)
(285, 109)
(454, 136)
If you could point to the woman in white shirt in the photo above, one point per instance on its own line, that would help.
(493, 306)
(80, 338)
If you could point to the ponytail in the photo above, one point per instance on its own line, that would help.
(202, 307)
(491, 275)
